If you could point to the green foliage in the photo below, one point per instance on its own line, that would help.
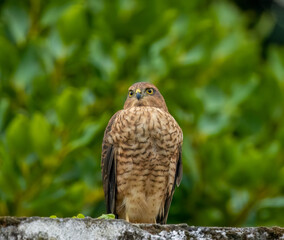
(80, 215)
(107, 216)
(65, 67)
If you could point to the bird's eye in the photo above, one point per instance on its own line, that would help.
(150, 91)
(130, 93)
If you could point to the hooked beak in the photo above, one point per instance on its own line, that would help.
(138, 94)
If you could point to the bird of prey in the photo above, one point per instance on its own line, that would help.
(141, 157)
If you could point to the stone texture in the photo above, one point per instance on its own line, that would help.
(89, 228)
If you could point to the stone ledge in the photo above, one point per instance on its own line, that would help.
(90, 228)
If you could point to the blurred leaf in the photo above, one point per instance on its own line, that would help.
(7, 49)
(101, 59)
(67, 106)
(193, 56)
(239, 201)
(212, 123)
(188, 152)
(277, 202)
(18, 22)
(4, 105)
(227, 14)
(40, 132)
(242, 91)
(227, 46)
(47, 197)
(17, 135)
(89, 132)
(27, 70)
(57, 48)
(54, 11)
(213, 98)
(73, 24)
(276, 62)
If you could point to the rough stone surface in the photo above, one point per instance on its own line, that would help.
(89, 228)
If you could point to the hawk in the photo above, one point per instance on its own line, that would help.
(141, 157)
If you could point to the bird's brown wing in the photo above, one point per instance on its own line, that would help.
(108, 165)
(162, 218)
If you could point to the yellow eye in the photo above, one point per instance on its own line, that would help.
(130, 93)
(150, 91)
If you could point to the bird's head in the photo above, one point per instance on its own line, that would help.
(143, 94)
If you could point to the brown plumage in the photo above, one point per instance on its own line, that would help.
(141, 157)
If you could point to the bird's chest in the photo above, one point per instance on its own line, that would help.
(145, 131)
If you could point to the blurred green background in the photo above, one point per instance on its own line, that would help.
(65, 67)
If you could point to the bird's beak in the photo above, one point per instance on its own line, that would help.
(138, 94)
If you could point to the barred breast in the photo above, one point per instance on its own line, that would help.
(146, 142)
